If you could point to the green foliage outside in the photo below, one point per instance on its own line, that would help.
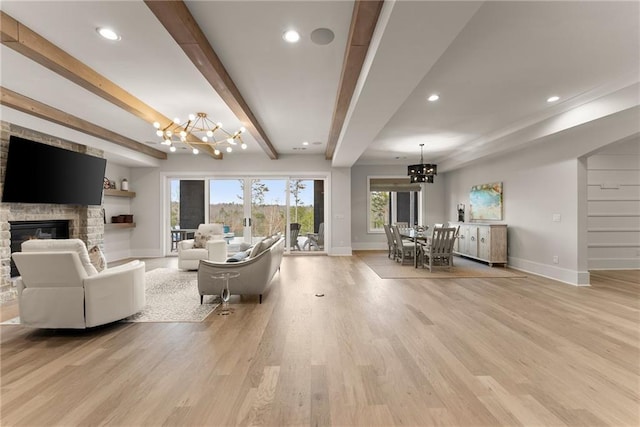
(268, 219)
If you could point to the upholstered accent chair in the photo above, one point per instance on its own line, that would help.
(256, 271)
(208, 243)
(60, 288)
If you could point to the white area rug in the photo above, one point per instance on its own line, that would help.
(172, 296)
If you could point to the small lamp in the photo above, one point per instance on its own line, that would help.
(461, 212)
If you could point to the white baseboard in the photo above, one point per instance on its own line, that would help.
(614, 264)
(112, 256)
(126, 254)
(571, 277)
(340, 251)
(370, 246)
(146, 253)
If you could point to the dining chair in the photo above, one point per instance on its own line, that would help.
(438, 251)
(391, 241)
(404, 247)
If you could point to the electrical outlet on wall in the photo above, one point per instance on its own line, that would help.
(556, 259)
(556, 217)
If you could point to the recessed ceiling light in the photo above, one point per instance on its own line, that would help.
(291, 36)
(108, 33)
(305, 143)
(434, 97)
(553, 98)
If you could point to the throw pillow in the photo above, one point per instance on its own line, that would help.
(238, 256)
(244, 246)
(266, 243)
(97, 258)
(200, 239)
(257, 248)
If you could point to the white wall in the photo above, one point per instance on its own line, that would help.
(614, 206)
(340, 212)
(150, 209)
(545, 179)
(432, 197)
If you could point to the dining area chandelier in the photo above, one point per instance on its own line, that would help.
(422, 172)
(199, 130)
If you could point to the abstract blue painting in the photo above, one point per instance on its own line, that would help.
(486, 201)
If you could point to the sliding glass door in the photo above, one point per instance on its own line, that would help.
(226, 206)
(251, 209)
(268, 207)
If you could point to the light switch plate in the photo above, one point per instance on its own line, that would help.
(556, 218)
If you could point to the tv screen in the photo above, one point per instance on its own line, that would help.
(40, 173)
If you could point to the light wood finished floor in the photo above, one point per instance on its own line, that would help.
(446, 352)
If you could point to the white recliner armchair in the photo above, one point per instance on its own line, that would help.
(208, 243)
(60, 288)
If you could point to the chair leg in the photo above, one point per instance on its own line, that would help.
(201, 298)
(260, 298)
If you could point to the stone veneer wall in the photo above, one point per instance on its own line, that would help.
(85, 222)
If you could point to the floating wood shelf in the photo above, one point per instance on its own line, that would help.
(119, 193)
(119, 225)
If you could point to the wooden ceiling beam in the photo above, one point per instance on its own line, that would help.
(363, 23)
(36, 108)
(22, 39)
(177, 19)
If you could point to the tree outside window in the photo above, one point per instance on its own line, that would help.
(379, 214)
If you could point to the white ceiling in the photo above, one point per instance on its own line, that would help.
(493, 64)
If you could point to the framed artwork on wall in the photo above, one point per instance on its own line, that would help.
(485, 202)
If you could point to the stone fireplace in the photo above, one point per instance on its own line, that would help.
(21, 231)
(84, 222)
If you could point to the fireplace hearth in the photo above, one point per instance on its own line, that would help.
(22, 231)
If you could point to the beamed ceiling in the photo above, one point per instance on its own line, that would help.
(359, 99)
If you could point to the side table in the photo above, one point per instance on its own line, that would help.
(225, 293)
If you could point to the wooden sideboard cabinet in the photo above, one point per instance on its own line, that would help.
(484, 242)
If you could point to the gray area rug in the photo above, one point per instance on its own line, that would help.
(386, 268)
(172, 296)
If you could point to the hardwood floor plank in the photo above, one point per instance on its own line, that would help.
(449, 352)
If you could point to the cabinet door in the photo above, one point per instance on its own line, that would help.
(462, 239)
(456, 243)
(484, 243)
(472, 241)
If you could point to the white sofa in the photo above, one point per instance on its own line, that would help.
(60, 288)
(255, 272)
(215, 248)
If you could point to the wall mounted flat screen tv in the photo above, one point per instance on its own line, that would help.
(40, 173)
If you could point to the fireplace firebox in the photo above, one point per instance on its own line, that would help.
(22, 231)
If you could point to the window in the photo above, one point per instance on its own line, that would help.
(392, 200)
